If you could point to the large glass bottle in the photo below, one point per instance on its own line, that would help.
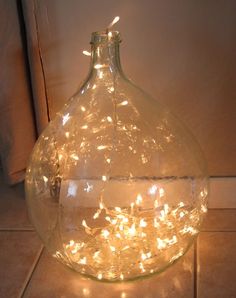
(116, 185)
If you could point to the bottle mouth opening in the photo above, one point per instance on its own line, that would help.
(105, 36)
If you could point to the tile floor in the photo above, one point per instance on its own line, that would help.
(208, 270)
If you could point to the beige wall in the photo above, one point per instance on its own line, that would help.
(182, 52)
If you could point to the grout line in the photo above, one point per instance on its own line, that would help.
(224, 176)
(17, 229)
(218, 231)
(225, 208)
(31, 272)
(195, 279)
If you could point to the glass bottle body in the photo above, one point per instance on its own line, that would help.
(116, 185)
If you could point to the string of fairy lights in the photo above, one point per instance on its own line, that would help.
(131, 241)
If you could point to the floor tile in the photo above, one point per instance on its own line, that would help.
(216, 265)
(13, 211)
(51, 279)
(18, 252)
(220, 220)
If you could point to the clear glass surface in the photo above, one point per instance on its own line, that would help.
(117, 185)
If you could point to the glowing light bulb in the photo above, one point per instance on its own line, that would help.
(161, 192)
(74, 156)
(83, 261)
(114, 21)
(45, 179)
(98, 66)
(96, 215)
(101, 147)
(104, 178)
(85, 224)
(109, 119)
(139, 199)
(143, 223)
(86, 53)
(65, 118)
(123, 103)
(161, 244)
(105, 234)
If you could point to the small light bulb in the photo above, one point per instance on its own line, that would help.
(109, 119)
(105, 233)
(45, 179)
(86, 53)
(65, 118)
(104, 178)
(143, 223)
(101, 147)
(139, 199)
(115, 20)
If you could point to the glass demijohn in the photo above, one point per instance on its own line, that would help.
(116, 186)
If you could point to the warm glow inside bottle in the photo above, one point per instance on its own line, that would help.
(116, 185)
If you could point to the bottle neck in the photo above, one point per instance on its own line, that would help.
(105, 56)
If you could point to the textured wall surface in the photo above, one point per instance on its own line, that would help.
(181, 52)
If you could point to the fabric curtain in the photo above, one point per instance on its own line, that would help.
(38, 80)
(17, 128)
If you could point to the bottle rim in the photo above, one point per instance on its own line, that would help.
(105, 36)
